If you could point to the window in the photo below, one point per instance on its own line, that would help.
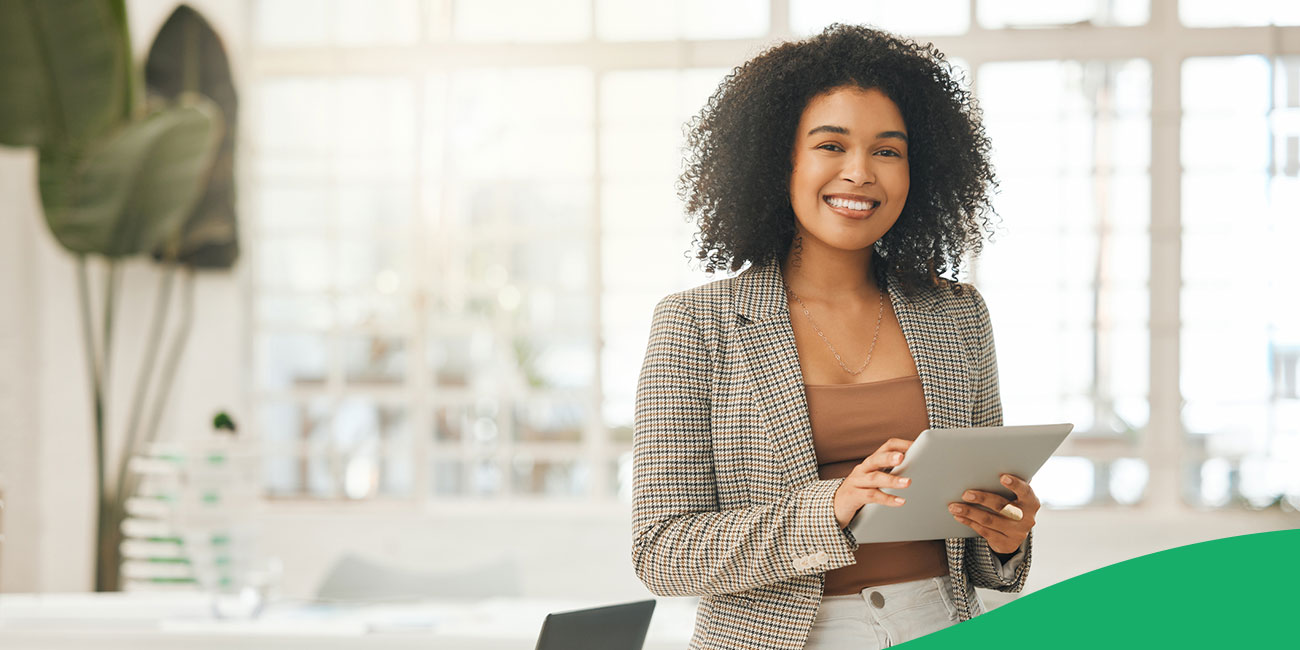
(998, 14)
(463, 212)
(1241, 325)
(440, 313)
(620, 20)
(1209, 13)
(1071, 142)
(918, 17)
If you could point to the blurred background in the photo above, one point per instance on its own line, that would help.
(457, 215)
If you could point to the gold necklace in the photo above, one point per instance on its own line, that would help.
(870, 350)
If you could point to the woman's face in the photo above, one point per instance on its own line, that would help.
(850, 175)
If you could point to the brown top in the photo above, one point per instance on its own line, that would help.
(849, 422)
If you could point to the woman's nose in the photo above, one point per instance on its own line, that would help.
(858, 170)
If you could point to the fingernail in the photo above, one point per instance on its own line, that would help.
(906, 481)
(898, 458)
(969, 496)
(899, 499)
(1006, 480)
(954, 509)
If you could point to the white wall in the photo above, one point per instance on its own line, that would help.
(46, 458)
(19, 426)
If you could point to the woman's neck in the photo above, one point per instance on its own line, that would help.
(825, 274)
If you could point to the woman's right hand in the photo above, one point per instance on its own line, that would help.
(862, 485)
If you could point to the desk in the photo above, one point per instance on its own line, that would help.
(137, 621)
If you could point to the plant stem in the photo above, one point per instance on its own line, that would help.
(174, 353)
(92, 361)
(108, 554)
(111, 283)
(143, 378)
(108, 526)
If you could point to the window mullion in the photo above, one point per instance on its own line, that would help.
(596, 447)
(418, 405)
(1162, 446)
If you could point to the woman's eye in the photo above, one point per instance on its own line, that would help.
(890, 152)
(830, 147)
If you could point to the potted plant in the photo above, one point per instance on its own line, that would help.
(132, 162)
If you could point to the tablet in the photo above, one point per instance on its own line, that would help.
(943, 464)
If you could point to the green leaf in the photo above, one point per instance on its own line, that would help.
(64, 72)
(132, 190)
(223, 420)
(187, 56)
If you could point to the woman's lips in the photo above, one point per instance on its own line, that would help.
(849, 212)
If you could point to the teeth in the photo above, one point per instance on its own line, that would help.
(851, 205)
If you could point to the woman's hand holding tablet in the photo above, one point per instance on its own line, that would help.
(945, 466)
(862, 485)
(995, 521)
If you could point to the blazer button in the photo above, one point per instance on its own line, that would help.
(877, 599)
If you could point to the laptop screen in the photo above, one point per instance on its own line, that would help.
(616, 627)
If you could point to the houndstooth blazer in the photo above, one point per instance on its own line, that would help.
(727, 504)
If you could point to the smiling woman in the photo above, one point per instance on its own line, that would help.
(850, 172)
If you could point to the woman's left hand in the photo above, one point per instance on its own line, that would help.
(1005, 535)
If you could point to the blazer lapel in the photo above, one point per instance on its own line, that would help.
(936, 346)
(766, 342)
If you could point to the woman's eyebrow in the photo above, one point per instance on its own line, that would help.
(829, 128)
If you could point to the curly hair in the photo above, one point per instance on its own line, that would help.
(736, 177)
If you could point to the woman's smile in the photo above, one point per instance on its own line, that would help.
(852, 206)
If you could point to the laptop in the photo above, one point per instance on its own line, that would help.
(616, 627)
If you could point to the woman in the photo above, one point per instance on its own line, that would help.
(851, 172)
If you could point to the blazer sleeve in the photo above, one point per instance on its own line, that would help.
(986, 570)
(683, 544)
